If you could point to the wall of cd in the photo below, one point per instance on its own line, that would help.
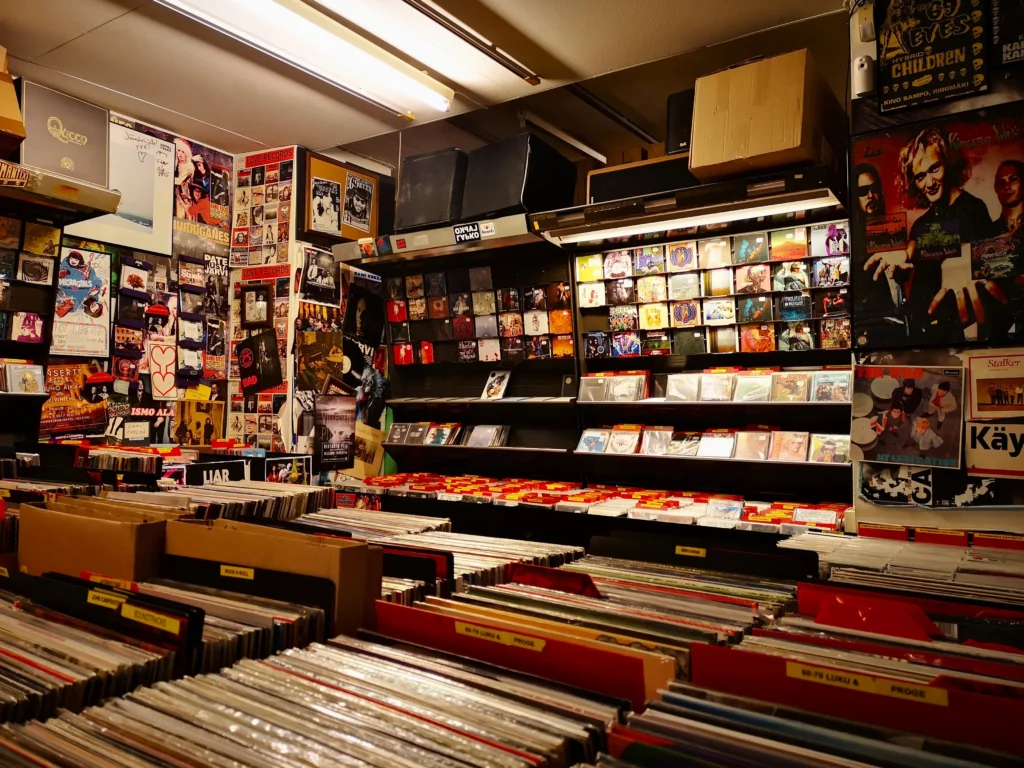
(780, 290)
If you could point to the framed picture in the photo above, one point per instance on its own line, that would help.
(257, 304)
(336, 199)
(35, 269)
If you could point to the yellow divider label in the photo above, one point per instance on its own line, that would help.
(150, 619)
(104, 599)
(868, 684)
(110, 582)
(500, 636)
(691, 551)
(237, 572)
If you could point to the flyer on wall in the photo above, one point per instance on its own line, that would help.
(335, 422)
(996, 384)
(908, 415)
(81, 323)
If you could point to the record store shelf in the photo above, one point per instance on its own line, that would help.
(830, 418)
(552, 463)
(807, 482)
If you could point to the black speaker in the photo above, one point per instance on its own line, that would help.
(679, 122)
(660, 174)
(518, 175)
(430, 193)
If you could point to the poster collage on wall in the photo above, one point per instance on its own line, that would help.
(141, 311)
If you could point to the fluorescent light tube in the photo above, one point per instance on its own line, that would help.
(298, 35)
(736, 213)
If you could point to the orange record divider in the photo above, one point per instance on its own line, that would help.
(984, 715)
(589, 665)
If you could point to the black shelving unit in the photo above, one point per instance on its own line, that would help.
(544, 463)
(823, 418)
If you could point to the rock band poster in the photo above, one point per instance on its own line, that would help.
(937, 212)
(930, 50)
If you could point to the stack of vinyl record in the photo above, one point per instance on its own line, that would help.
(370, 525)
(237, 499)
(350, 703)
(404, 591)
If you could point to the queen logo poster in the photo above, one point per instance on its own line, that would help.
(81, 323)
(937, 213)
(930, 50)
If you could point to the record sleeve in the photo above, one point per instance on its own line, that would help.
(497, 382)
(753, 278)
(749, 249)
(620, 291)
(589, 268)
(685, 286)
(832, 272)
(624, 440)
(535, 323)
(594, 441)
(835, 333)
(795, 337)
(830, 449)
(790, 276)
(623, 318)
(398, 433)
(596, 344)
(684, 314)
(683, 386)
(717, 445)
(653, 316)
(754, 309)
(790, 387)
(624, 389)
(752, 388)
(789, 446)
(651, 288)
(684, 444)
(718, 282)
(649, 260)
(592, 294)
(656, 441)
(753, 446)
(717, 386)
(788, 244)
(486, 326)
(831, 386)
(618, 264)
(713, 254)
(719, 312)
(757, 338)
(830, 239)
(681, 257)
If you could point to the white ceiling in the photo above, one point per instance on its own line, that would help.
(139, 58)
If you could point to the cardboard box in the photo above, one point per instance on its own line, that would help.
(12, 128)
(354, 567)
(768, 114)
(69, 539)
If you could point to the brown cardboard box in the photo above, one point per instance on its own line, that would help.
(12, 129)
(70, 539)
(354, 567)
(768, 114)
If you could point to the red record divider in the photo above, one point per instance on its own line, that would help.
(986, 717)
(593, 669)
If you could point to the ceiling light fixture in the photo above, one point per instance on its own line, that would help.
(471, 36)
(571, 227)
(293, 32)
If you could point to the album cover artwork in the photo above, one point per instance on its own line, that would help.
(589, 268)
(560, 295)
(535, 297)
(535, 323)
(718, 282)
(394, 287)
(830, 239)
(790, 387)
(795, 337)
(509, 299)
(618, 264)
(468, 351)
(750, 249)
(713, 254)
(486, 326)
(684, 314)
(462, 327)
(437, 308)
(483, 303)
(414, 286)
(652, 288)
(685, 286)
(562, 346)
(835, 333)
(623, 318)
(512, 349)
(560, 321)
(833, 302)
(649, 260)
(924, 197)
(755, 278)
(790, 276)
(832, 272)
(510, 324)
(719, 311)
(795, 306)
(757, 338)
(788, 244)
(653, 316)
(621, 291)
(626, 344)
(418, 309)
(754, 309)
(596, 345)
(592, 295)
(434, 284)
(480, 279)
(681, 257)
(538, 347)
(459, 305)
